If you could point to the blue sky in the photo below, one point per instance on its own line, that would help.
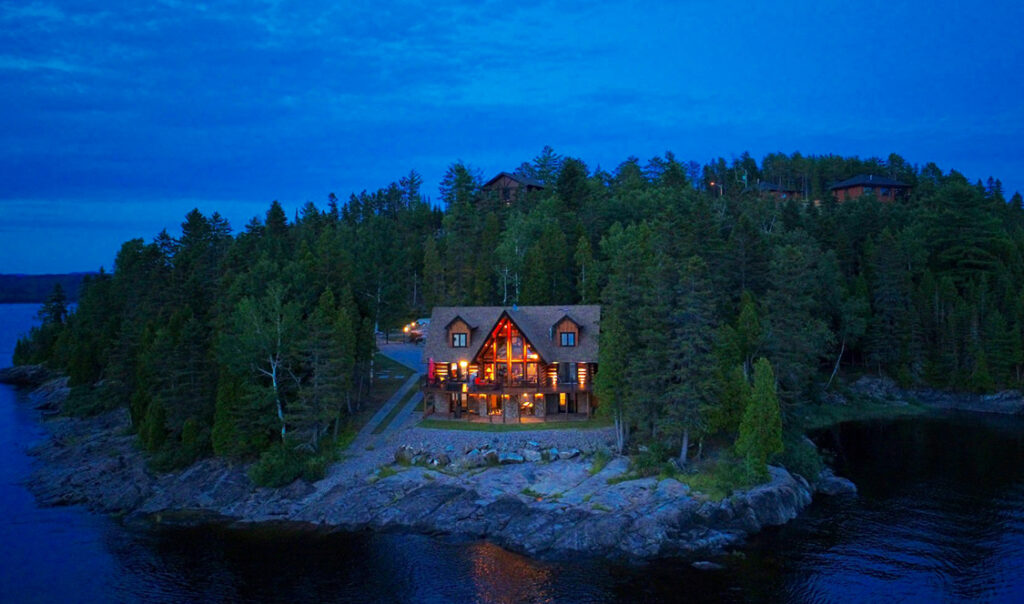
(116, 118)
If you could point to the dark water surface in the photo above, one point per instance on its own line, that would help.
(940, 517)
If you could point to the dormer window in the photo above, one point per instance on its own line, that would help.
(458, 340)
(567, 338)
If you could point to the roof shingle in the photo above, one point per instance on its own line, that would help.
(534, 321)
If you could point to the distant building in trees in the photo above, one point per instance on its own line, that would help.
(507, 188)
(511, 364)
(885, 189)
(778, 191)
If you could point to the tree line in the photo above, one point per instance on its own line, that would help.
(235, 344)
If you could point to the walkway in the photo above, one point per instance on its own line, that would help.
(369, 451)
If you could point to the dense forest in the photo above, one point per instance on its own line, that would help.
(262, 342)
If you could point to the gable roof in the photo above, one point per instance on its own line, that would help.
(562, 318)
(458, 318)
(519, 178)
(868, 180)
(534, 322)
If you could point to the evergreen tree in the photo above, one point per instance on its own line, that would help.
(760, 434)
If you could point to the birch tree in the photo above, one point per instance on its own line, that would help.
(263, 337)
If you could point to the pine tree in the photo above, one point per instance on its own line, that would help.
(760, 434)
(586, 272)
(610, 383)
(691, 327)
(55, 310)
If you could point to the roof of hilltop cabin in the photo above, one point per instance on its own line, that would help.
(770, 186)
(525, 181)
(535, 322)
(867, 180)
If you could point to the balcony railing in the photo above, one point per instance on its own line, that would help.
(542, 385)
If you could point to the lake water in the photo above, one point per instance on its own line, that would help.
(940, 517)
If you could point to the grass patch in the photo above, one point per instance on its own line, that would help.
(601, 459)
(384, 423)
(622, 478)
(386, 472)
(392, 369)
(716, 479)
(383, 389)
(446, 424)
(600, 507)
(528, 492)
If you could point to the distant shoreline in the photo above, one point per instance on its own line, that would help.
(34, 289)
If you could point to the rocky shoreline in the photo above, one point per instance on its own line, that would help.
(539, 492)
(1007, 402)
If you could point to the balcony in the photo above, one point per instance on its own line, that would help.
(542, 386)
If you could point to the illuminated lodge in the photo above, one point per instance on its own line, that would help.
(511, 364)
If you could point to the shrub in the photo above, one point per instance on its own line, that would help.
(652, 461)
(278, 466)
(282, 465)
(87, 401)
(800, 456)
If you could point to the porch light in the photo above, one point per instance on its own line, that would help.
(463, 365)
(406, 329)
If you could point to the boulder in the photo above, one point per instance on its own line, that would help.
(830, 484)
(707, 565)
(531, 455)
(506, 458)
(568, 454)
(491, 457)
(473, 459)
(440, 460)
(404, 455)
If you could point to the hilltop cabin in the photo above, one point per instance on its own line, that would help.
(509, 188)
(513, 364)
(885, 189)
(779, 192)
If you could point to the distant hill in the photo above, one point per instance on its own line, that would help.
(35, 288)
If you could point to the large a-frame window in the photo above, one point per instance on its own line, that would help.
(507, 358)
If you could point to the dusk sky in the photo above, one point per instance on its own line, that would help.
(117, 118)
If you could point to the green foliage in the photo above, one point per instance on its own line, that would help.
(153, 430)
(760, 434)
(733, 395)
(281, 465)
(87, 401)
(800, 456)
(599, 461)
(651, 460)
(267, 335)
(716, 479)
